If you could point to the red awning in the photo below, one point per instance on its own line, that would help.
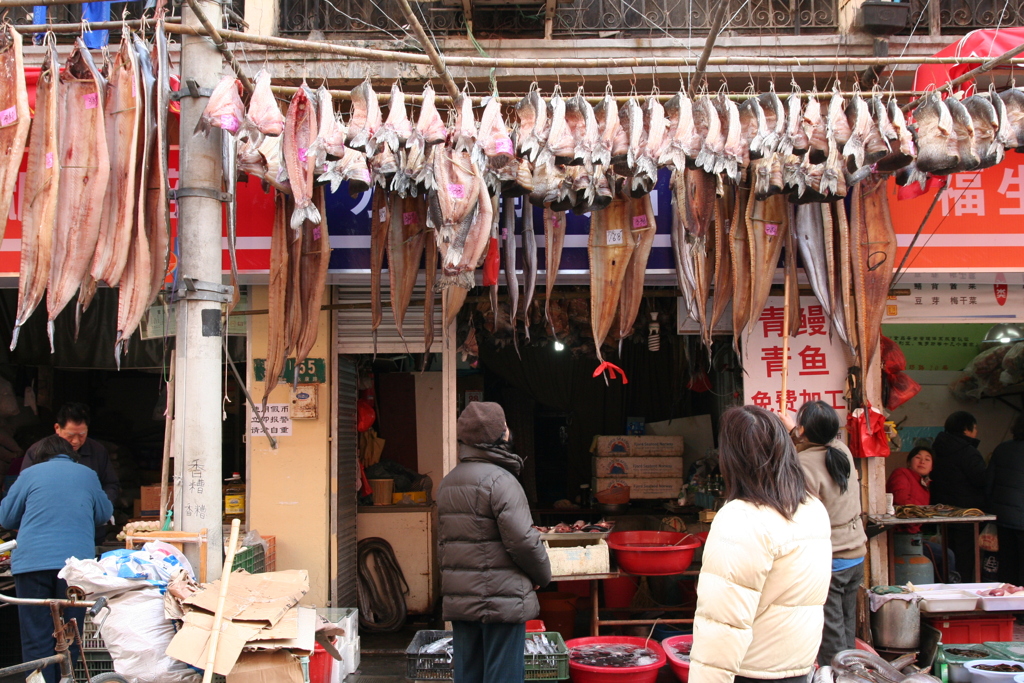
(983, 43)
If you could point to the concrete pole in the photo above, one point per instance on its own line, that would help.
(198, 372)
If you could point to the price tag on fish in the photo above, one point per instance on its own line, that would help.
(92, 100)
(504, 146)
(612, 237)
(49, 160)
(302, 154)
(382, 215)
(457, 191)
(409, 217)
(640, 221)
(771, 229)
(8, 116)
(230, 124)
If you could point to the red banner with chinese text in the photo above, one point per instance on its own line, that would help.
(978, 224)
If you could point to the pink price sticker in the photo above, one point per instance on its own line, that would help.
(771, 229)
(302, 155)
(49, 160)
(317, 232)
(382, 215)
(409, 217)
(8, 116)
(92, 100)
(457, 191)
(640, 221)
(504, 233)
(363, 174)
(229, 123)
(504, 146)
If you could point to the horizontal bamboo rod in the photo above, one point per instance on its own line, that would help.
(91, 25)
(322, 47)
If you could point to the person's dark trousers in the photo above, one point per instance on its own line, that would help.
(488, 653)
(36, 622)
(840, 613)
(1011, 555)
(961, 542)
(791, 679)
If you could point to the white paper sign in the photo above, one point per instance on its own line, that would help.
(817, 365)
(966, 301)
(277, 417)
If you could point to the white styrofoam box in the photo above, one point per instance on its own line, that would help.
(643, 466)
(664, 487)
(345, 617)
(571, 558)
(637, 445)
(349, 661)
(949, 601)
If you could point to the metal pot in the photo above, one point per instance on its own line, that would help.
(897, 624)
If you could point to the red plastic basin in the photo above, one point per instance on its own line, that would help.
(681, 668)
(535, 626)
(653, 553)
(581, 673)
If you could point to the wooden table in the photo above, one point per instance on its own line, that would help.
(890, 523)
(595, 618)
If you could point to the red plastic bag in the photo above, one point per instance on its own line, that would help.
(893, 360)
(867, 437)
(899, 389)
(492, 263)
(366, 415)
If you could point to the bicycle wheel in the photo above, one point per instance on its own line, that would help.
(109, 677)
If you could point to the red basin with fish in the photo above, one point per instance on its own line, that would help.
(582, 673)
(653, 553)
(679, 666)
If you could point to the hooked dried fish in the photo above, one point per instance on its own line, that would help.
(14, 116)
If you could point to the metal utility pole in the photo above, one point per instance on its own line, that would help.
(198, 339)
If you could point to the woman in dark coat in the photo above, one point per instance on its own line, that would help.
(1005, 488)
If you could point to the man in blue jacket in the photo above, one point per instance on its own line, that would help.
(55, 506)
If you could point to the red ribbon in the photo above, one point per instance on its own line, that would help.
(612, 369)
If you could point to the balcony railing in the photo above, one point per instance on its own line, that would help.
(573, 19)
(963, 16)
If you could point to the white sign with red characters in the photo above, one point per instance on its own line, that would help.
(817, 363)
(960, 301)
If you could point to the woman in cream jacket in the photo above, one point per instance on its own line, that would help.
(767, 562)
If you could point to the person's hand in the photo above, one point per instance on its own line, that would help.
(788, 421)
(536, 588)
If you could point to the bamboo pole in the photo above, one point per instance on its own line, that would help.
(709, 44)
(92, 25)
(218, 615)
(786, 313)
(214, 35)
(428, 47)
(165, 467)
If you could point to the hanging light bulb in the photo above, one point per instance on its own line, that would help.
(654, 333)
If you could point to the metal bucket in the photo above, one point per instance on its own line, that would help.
(897, 624)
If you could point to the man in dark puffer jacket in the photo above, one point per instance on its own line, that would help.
(1005, 477)
(492, 559)
(958, 479)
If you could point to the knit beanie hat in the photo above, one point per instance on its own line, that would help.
(481, 423)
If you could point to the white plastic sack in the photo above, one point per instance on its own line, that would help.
(135, 630)
(137, 634)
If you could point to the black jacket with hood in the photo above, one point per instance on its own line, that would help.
(490, 554)
(1006, 484)
(958, 471)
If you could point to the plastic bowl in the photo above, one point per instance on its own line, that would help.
(679, 667)
(980, 676)
(581, 673)
(653, 553)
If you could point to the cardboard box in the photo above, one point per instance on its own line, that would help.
(260, 613)
(637, 446)
(150, 500)
(409, 498)
(665, 487)
(644, 466)
(570, 558)
(266, 667)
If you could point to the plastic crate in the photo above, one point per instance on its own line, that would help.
(270, 561)
(99, 663)
(92, 641)
(428, 667)
(1007, 650)
(439, 667)
(252, 559)
(964, 630)
(548, 667)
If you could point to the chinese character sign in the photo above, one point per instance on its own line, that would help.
(976, 225)
(817, 364)
(277, 418)
(960, 300)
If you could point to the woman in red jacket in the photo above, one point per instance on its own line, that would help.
(909, 486)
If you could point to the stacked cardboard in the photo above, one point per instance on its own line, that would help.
(263, 632)
(651, 466)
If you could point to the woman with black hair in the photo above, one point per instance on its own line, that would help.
(832, 479)
(765, 572)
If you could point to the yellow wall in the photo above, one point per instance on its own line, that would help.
(289, 494)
